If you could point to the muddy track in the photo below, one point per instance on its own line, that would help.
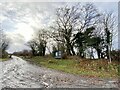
(18, 73)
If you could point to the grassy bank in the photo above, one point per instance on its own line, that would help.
(4, 59)
(90, 68)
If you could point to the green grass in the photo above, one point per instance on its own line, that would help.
(90, 68)
(4, 59)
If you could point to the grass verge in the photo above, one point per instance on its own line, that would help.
(4, 59)
(89, 68)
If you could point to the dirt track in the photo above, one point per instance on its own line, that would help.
(17, 73)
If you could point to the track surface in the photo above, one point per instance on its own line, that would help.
(18, 73)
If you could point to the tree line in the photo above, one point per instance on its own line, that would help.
(76, 29)
(4, 44)
(80, 29)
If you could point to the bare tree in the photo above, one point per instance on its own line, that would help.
(108, 22)
(38, 44)
(32, 45)
(66, 22)
(89, 18)
(41, 39)
(4, 43)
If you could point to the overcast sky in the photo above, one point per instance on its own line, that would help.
(18, 19)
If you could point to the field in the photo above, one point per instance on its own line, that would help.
(88, 68)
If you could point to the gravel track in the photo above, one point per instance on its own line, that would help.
(18, 73)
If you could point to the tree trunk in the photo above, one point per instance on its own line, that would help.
(98, 53)
(44, 51)
(73, 52)
(107, 51)
(68, 49)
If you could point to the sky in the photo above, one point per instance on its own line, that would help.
(18, 20)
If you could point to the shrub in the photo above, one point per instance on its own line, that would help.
(118, 70)
(4, 54)
(64, 56)
(115, 55)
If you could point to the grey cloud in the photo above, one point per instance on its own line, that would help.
(17, 43)
(17, 38)
(23, 11)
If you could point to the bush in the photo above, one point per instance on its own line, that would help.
(118, 70)
(115, 55)
(4, 54)
(64, 56)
